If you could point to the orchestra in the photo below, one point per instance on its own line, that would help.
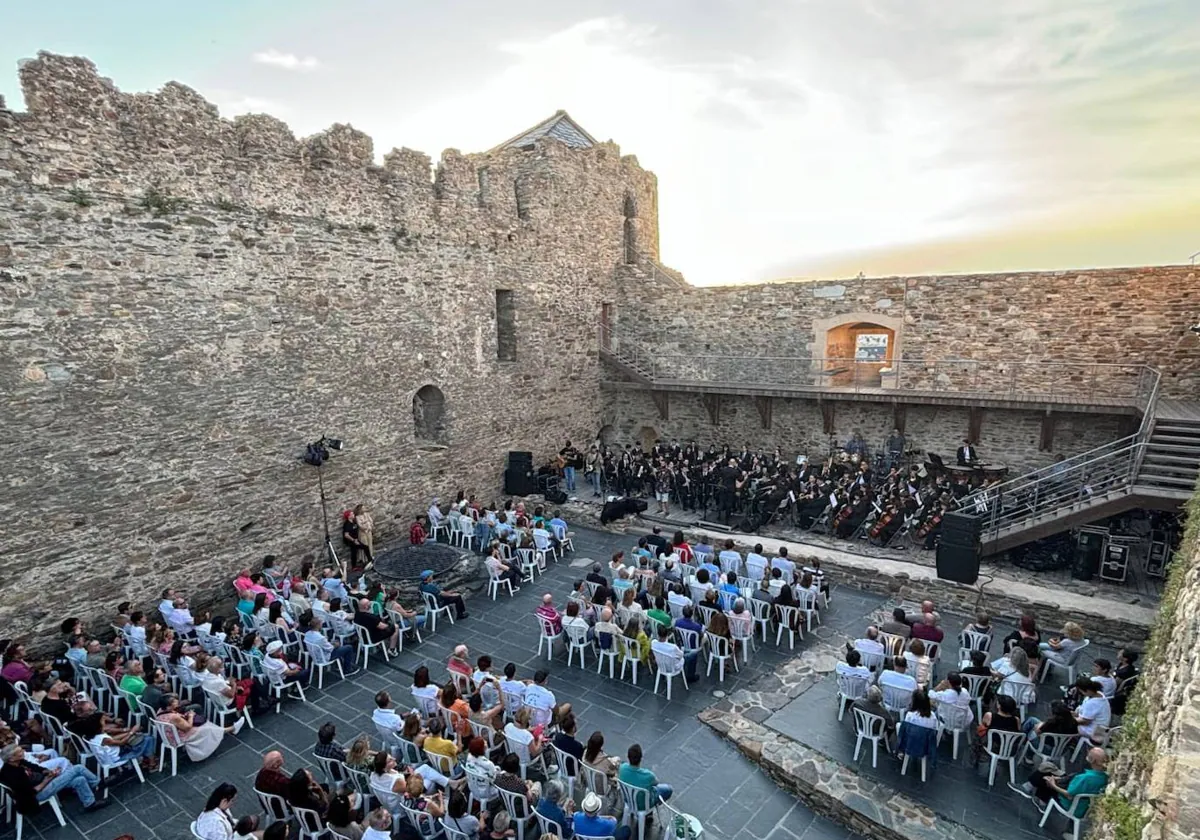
(892, 497)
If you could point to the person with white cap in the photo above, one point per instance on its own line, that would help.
(435, 515)
(589, 822)
(275, 662)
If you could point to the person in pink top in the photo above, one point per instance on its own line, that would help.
(244, 582)
(547, 612)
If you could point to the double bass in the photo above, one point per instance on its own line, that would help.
(882, 523)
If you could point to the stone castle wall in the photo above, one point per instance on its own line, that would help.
(797, 426)
(187, 301)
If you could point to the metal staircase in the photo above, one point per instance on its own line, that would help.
(1156, 467)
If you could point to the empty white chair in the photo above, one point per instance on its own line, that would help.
(548, 636)
(670, 667)
(720, 651)
(871, 728)
(893, 645)
(850, 687)
(432, 611)
(971, 640)
(1003, 746)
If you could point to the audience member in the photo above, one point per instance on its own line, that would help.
(443, 597)
(872, 704)
(215, 821)
(634, 774)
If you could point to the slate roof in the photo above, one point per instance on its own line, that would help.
(560, 127)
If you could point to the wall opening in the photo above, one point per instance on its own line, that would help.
(857, 353)
(485, 186)
(606, 435)
(429, 415)
(647, 437)
(521, 199)
(506, 326)
(629, 211)
(606, 325)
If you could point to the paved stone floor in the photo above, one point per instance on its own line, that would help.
(731, 797)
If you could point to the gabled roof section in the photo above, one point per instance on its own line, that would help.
(560, 127)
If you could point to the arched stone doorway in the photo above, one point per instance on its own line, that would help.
(647, 437)
(858, 348)
(606, 435)
(429, 415)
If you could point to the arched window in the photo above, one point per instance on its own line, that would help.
(607, 435)
(630, 213)
(429, 415)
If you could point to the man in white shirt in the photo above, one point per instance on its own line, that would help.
(275, 663)
(167, 603)
(785, 566)
(730, 560)
(663, 646)
(385, 716)
(213, 680)
(135, 632)
(333, 584)
(1094, 713)
(314, 638)
(871, 643)
(379, 825)
(541, 699)
(853, 667)
(756, 563)
(436, 517)
(180, 618)
(898, 677)
(510, 686)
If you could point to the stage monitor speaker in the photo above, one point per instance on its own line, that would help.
(1089, 548)
(958, 562)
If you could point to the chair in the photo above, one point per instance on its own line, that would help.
(1099, 738)
(705, 612)
(518, 810)
(1025, 694)
(545, 547)
(319, 659)
(869, 727)
(971, 640)
(850, 687)
(1074, 813)
(453, 833)
(281, 688)
(631, 654)
(389, 799)
(762, 613)
(548, 636)
(274, 806)
(808, 605)
(478, 788)
(893, 645)
(334, 770)
(7, 801)
(577, 640)
(594, 780)
(168, 739)
(564, 537)
(444, 764)
(633, 797)
(977, 686)
(528, 564)
(360, 782)
(495, 581)
(789, 621)
(609, 653)
(432, 611)
(1050, 660)
(365, 645)
(669, 666)
(521, 750)
(1003, 746)
(104, 769)
(192, 828)
(218, 707)
(719, 650)
(1049, 746)
(422, 821)
(568, 769)
(512, 702)
(547, 825)
(461, 532)
(953, 719)
(311, 827)
(438, 527)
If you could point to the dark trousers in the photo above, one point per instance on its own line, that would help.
(456, 601)
(355, 550)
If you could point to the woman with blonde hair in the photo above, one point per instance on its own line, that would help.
(1059, 649)
(360, 756)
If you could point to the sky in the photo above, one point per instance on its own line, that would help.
(791, 138)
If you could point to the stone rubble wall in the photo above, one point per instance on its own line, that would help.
(1008, 436)
(164, 366)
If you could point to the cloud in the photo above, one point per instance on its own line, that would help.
(232, 103)
(286, 61)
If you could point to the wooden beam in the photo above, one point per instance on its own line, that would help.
(899, 416)
(974, 423)
(827, 416)
(1046, 444)
(662, 401)
(763, 404)
(712, 402)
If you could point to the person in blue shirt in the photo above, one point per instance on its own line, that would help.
(589, 823)
(729, 591)
(443, 596)
(690, 656)
(553, 805)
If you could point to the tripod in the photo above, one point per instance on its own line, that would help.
(328, 549)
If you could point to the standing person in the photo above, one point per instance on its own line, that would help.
(570, 457)
(366, 528)
(352, 537)
(592, 467)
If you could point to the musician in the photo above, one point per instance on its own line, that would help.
(895, 448)
(568, 458)
(857, 445)
(967, 454)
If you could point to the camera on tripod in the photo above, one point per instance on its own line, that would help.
(316, 454)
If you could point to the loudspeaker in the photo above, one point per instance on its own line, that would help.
(958, 562)
(520, 460)
(556, 497)
(1089, 548)
(519, 483)
(961, 528)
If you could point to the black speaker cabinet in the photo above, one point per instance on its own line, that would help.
(1089, 548)
(958, 562)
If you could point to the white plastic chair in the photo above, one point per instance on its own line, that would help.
(280, 688)
(274, 806)
(319, 659)
(609, 653)
(577, 640)
(528, 564)
(1072, 812)
(808, 605)
(869, 727)
(168, 739)
(105, 769)
(479, 788)
(495, 581)
(670, 667)
(1025, 694)
(568, 769)
(743, 631)
(953, 719)
(850, 687)
(453, 833)
(333, 770)
(762, 614)
(518, 811)
(422, 821)
(311, 827)
(971, 640)
(547, 825)
(893, 645)
(432, 611)
(789, 622)
(196, 835)
(564, 537)
(1003, 746)
(365, 646)
(637, 806)
(548, 636)
(631, 651)
(52, 801)
(1050, 661)
(1050, 746)
(720, 651)
(439, 527)
(977, 686)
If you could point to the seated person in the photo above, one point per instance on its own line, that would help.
(590, 823)
(443, 597)
(872, 703)
(853, 667)
(1093, 780)
(554, 805)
